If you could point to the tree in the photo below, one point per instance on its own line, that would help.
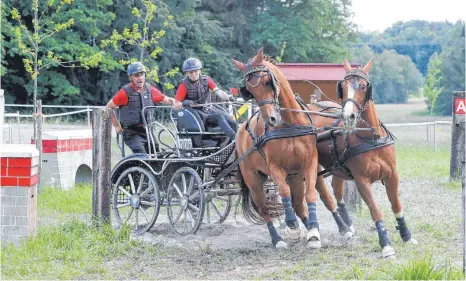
(431, 85)
(141, 41)
(45, 24)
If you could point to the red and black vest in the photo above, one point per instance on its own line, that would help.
(197, 91)
(131, 114)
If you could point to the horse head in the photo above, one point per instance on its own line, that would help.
(355, 91)
(261, 82)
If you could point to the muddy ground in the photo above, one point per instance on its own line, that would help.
(239, 250)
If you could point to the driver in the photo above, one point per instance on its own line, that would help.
(196, 88)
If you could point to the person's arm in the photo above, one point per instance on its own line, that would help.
(115, 123)
(180, 96)
(220, 93)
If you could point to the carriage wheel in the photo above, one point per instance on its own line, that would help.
(136, 199)
(185, 201)
(218, 207)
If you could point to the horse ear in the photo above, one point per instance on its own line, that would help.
(260, 56)
(346, 65)
(368, 66)
(238, 64)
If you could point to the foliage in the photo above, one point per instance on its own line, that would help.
(140, 42)
(431, 86)
(55, 201)
(452, 69)
(394, 76)
(314, 31)
(50, 38)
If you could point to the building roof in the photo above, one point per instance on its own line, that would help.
(314, 71)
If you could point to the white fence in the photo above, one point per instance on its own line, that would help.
(13, 131)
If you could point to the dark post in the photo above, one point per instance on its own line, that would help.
(101, 161)
(457, 157)
(352, 198)
(38, 140)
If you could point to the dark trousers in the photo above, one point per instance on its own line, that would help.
(136, 140)
(224, 121)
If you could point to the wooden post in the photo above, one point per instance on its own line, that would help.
(101, 161)
(352, 198)
(435, 137)
(2, 112)
(457, 157)
(463, 183)
(39, 119)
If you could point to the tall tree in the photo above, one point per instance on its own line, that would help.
(432, 87)
(452, 69)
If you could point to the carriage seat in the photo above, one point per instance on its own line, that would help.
(192, 120)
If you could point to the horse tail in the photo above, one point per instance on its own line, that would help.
(250, 209)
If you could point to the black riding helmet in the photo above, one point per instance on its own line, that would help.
(136, 67)
(191, 64)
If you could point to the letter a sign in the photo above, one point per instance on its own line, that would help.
(460, 106)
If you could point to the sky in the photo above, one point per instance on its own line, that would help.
(377, 15)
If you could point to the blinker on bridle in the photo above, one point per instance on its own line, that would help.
(252, 71)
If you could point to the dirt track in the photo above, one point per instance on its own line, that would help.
(238, 250)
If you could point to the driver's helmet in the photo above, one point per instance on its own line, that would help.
(135, 67)
(191, 64)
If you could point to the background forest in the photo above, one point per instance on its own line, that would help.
(78, 49)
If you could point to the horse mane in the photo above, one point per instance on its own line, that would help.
(270, 59)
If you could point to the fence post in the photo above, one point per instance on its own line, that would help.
(352, 198)
(2, 112)
(457, 156)
(435, 137)
(463, 183)
(38, 140)
(101, 161)
(88, 116)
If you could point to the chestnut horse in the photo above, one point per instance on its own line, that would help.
(287, 160)
(365, 154)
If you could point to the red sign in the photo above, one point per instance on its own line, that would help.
(234, 91)
(460, 106)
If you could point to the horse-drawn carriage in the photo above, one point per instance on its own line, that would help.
(285, 141)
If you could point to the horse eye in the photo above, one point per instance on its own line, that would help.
(267, 83)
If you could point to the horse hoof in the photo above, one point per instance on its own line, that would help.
(388, 252)
(294, 233)
(281, 245)
(351, 228)
(348, 236)
(412, 241)
(313, 239)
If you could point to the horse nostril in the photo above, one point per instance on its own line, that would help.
(273, 120)
(352, 116)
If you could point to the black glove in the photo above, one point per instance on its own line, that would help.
(187, 103)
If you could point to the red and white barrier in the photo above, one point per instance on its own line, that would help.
(18, 191)
(66, 158)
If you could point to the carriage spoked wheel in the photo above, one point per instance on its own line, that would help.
(185, 201)
(136, 200)
(218, 207)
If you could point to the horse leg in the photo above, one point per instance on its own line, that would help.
(364, 188)
(310, 174)
(338, 185)
(330, 205)
(279, 177)
(253, 182)
(391, 187)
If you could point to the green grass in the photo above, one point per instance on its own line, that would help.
(425, 269)
(422, 162)
(77, 200)
(73, 250)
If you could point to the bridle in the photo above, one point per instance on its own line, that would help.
(260, 72)
(358, 73)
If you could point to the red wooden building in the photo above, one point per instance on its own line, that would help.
(324, 75)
